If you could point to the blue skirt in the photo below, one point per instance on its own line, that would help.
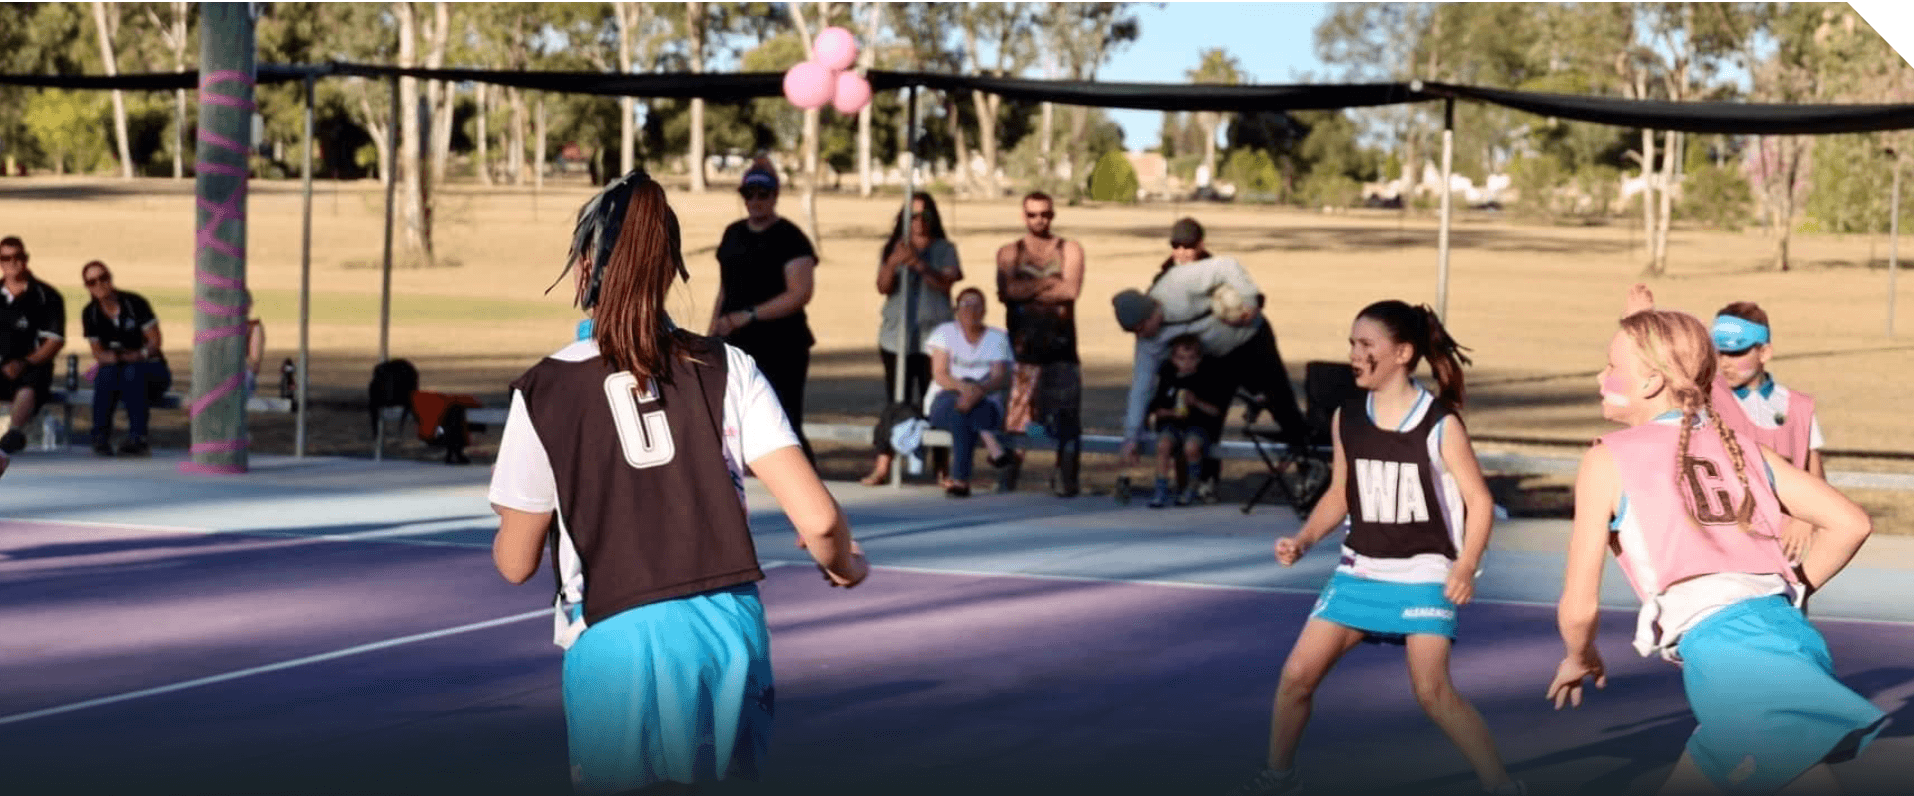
(1761, 683)
(678, 690)
(1385, 611)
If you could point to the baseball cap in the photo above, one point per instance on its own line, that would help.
(760, 176)
(1186, 232)
(1133, 308)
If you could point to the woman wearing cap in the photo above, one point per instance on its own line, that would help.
(1179, 302)
(765, 279)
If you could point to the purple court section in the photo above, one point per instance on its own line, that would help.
(912, 683)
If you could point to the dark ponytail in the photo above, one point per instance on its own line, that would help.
(1423, 331)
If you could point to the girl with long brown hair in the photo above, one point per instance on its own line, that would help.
(635, 441)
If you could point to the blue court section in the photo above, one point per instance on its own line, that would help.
(336, 627)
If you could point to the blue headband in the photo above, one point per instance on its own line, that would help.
(1737, 334)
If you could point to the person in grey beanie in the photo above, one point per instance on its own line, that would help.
(1180, 302)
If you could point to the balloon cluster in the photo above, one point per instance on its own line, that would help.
(822, 80)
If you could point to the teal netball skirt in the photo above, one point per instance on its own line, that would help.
(678, 690)
(1761, 683)
(1385, 611)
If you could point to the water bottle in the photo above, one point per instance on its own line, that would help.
(288, 375)
(52, 434)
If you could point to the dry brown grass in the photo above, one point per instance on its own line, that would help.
(1536, 303)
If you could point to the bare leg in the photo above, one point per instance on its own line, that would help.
(22, 408)
(991, 446)
(880, 471)
(1687, 779)
(1429, 674)
(1816, 781)
(1317, 649)
(1165, 456)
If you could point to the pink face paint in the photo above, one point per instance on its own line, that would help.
(1614, 390)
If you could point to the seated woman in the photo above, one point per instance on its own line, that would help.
(969, 368)
(125, 336)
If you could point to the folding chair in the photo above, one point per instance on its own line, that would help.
(1301, 475)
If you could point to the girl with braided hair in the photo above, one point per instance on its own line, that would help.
(634, 440)
(1694, 512)
(1405, 477)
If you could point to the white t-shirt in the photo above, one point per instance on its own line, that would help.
(967, 360)
(754, 425)
(1762, 411)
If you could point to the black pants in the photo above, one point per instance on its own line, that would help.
(1259, 367)
(916, 383)
(787, 368)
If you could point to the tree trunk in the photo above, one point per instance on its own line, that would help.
(483, 94)
(538, 155)
(1049, 132)
(1207, 121)
(515, 154)
(1079, 121)
(105, 27)
(695, 14)
(1648, 198)
(627, 138)
(443, 97)
(412, 184)
(380, 136)
(867, 58)
(179, 133)
(1671, 159)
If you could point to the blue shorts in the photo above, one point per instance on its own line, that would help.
(1385, 611)
(678, 690)
(1761, 683)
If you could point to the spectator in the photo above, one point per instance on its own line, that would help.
(125, 336)
(915, 280)
(765, 279)
(32, 332)
(970, 366)
(1180, 302)
(1192, 395)
(1039, 277)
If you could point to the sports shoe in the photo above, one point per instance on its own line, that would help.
(1188, 496)
(1270, 782)
(135, 446)
(1161, 497)
(13, 441)
(102, 448)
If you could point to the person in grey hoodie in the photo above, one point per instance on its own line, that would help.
(1180, 303)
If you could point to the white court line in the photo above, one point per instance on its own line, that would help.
(1292, 590)
(121, 525)
(273, 667)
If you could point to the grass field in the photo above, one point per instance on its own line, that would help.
(1536, 303)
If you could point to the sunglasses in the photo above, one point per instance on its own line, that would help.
(757, 193)
(103, 279)
(1044, 214)
(1175, 245)
(12, 258)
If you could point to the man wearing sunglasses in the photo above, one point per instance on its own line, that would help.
(765, 279)
(32, 332)
(1038, 278)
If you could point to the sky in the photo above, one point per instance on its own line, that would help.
(1274, 42)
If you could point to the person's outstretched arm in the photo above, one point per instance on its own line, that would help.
(821, 527)
(1597, 489)
(1478, 515)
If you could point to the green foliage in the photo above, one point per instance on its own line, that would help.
(1329, 189)
(1538, 179)
(70, 127)
(1114, 179)
(1718, 196)
(1853, 183)
(1254, 174)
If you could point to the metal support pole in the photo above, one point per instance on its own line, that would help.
(906, 280)
(1442, 237)
(1893, 242)
(385, 289)
(226, 108)
(305, 288)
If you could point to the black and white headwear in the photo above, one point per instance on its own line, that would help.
(599, 222)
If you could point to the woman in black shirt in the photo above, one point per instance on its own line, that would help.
(765, 279)
(125, 335)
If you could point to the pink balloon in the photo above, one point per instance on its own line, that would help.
(835, 48)
(853, 93)
(809, 85)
